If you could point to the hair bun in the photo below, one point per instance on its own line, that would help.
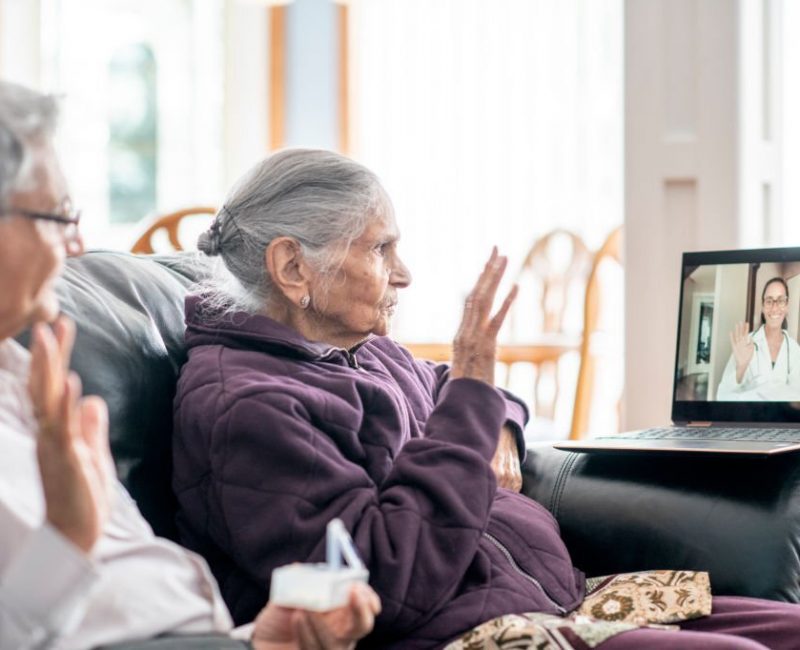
(210, 242)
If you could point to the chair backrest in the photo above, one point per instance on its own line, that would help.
(128, 310)
(552, 279)
(610, 251)
(170, 224)
(556, 264)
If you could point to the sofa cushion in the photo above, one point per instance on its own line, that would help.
(736, 517)
(129, 349)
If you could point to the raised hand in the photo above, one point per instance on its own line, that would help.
(743, 349)
(475, 344)
(281, 628)
(72, 445)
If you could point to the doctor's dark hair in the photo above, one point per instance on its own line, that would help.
(785, 323)
(321, 199)
(27, 120)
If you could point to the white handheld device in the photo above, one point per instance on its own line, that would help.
(324, 586)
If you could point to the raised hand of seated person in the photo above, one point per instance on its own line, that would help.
(475, 353)
(283, 628)
(72, 444)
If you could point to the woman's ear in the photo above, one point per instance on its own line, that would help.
(288, 270)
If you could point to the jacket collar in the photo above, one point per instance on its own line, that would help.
(242, 330)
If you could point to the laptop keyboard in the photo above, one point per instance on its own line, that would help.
(736, 434)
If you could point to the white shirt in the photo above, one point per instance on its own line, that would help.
(762, 381)
(134, 585)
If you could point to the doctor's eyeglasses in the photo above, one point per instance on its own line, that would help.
(782, 301)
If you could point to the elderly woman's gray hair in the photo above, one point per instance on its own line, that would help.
(321, 199)
(27, 119)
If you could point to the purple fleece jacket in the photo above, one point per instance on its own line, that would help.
(276, 435)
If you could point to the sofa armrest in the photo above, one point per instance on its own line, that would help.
(182, 642)
(736, 517)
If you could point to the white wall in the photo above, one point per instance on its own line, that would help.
(246, 106)
(20, 41)
(689, 290)
(760, 121)
(693, 164)
(793, 317)
(703, 280)
(730, 307)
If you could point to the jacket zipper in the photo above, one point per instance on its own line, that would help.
(525, 575)
(349, 355)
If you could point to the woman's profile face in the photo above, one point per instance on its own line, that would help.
(775, 304)
(360, 299)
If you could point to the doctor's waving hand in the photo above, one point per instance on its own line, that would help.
(764, 365)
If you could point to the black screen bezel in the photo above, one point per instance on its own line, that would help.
(686, 411)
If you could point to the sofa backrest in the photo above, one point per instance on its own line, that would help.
(129, 349)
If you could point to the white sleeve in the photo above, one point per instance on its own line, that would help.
(793, 370)
(728, 383)
(729, 390)
(44, 590)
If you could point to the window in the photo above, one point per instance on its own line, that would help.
(133, 140)
(142, 125)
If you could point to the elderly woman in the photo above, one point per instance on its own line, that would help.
(294, 407)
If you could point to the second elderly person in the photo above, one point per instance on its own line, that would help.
(79, 565)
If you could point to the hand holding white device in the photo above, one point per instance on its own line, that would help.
(323, 586)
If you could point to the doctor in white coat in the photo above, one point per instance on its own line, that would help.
(764, 365)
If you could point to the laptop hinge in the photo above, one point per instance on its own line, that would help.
(698, 423)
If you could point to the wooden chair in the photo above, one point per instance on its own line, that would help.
(557, 261)
(170, 223)
(547, 349)
(610, 251)
(554, 271)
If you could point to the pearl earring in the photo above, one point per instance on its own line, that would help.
(305, 301)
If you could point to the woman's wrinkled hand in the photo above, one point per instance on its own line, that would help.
(72, 444)
(506, 462)
(281, 628)
(475, 344)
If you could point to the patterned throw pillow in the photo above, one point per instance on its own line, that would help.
(659, 597)
(538, 632)
(613, 604)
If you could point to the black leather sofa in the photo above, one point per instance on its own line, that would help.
(738, 519)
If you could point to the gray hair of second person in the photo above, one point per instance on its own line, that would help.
(319, 198)
(27, 119)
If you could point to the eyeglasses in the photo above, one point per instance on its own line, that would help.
(70, 220)
(781, 302)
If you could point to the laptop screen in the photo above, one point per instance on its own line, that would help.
(738, 357)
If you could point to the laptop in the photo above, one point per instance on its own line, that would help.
(726, 403)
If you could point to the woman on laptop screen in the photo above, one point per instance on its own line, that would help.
(764, 365)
